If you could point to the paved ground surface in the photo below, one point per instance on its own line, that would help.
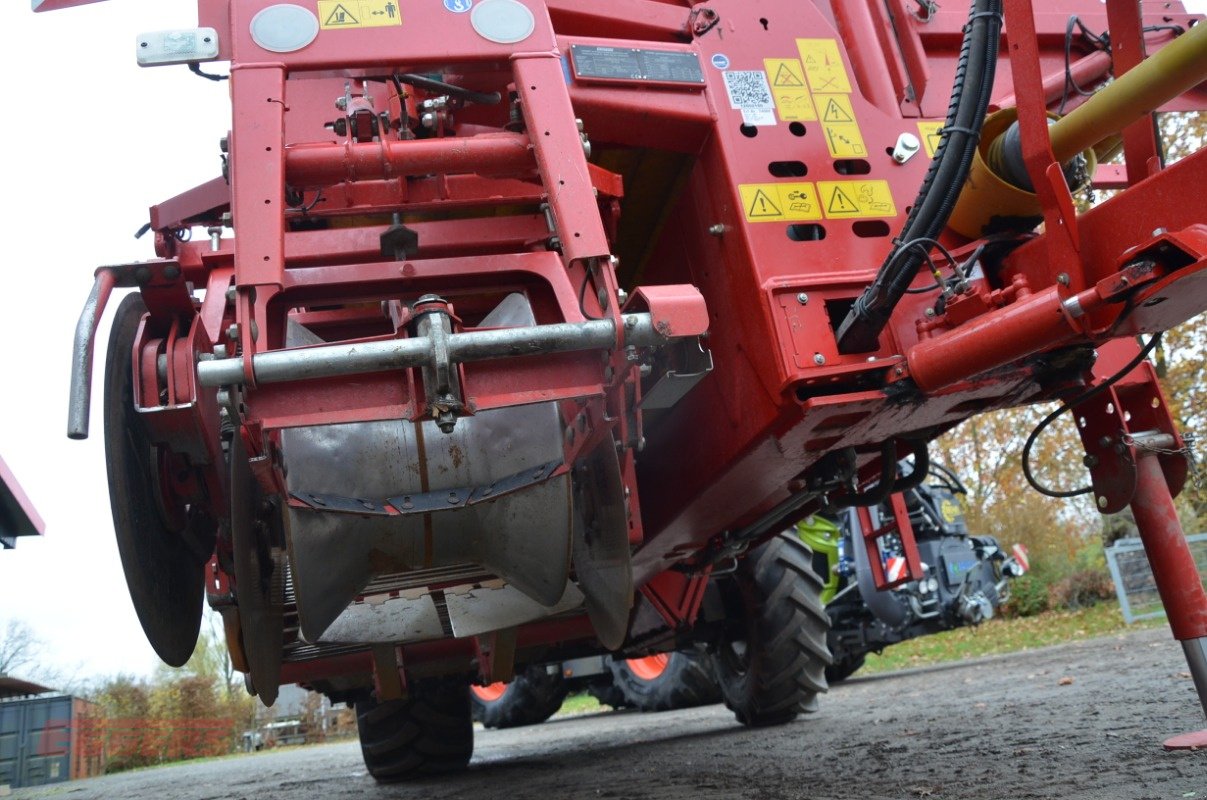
(1008, 727)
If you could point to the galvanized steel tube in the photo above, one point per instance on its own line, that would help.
(350, 359)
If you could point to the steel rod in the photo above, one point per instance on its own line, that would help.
(351, 359)
(79, 403)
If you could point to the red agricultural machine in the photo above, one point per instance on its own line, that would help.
(541, 319)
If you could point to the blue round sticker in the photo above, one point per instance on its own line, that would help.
(458, 6)
(720, 60)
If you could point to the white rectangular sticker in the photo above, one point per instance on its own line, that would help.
(750, 93)
(758, 116)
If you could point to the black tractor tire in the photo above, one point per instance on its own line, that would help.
(844, 668)
(429, 733)
(532, 697)
(608, 693)
(686, 680)
(777, 668)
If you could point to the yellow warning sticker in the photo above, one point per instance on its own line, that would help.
(843, 136)
(779, 202)
(824, 65)
(856, 199)
(337, 14)
(791, 93)
(844, 140)
(931, 132)
(836, 108)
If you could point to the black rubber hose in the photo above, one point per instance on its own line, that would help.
(885, 487)
(860, 331)
(921, 469)
(433, 85)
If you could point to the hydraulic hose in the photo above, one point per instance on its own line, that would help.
(860, 331)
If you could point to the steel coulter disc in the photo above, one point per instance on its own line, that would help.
(165, 577)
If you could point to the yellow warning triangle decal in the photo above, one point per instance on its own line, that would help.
(761, 206)
(786, 77)
(841, 204)
(341, 16)
(835, 113)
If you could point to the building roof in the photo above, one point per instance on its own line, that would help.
(18, 517)
(15, 687)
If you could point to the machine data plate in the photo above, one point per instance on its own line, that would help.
(592, 62)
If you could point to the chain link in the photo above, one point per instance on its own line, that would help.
(1187, 451)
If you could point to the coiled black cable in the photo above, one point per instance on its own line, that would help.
(973, 86)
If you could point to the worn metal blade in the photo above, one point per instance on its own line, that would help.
(602, 560)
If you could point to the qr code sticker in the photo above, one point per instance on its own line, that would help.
(748, 89)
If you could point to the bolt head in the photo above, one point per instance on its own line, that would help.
(819, 359)
(717, 230)
(233, 331)
(1063, 279)
(802, 298)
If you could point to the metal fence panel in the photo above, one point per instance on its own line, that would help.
(1134, 583)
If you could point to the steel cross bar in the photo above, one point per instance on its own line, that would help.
(351, 359)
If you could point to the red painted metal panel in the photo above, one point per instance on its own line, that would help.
(18, 517)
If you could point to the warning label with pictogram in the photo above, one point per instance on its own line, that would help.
(835, 108)
(931, 133)
(841, 128)
(792, 98)
(826, 70)
(785, 72)
(856, 199)
(779, 202)
(337, 14)
(844, 140)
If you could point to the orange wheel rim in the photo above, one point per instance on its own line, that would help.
(489, 694)
(650, 667)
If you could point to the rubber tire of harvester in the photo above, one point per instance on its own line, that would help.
(839, 671)
(532, 697)
(608, 693)
(785, 657)
(687, 681)
(429, 733)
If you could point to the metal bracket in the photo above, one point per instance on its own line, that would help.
(904, 530)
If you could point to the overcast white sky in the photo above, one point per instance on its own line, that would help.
(92, 142)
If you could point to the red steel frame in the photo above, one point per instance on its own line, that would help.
(740, 446)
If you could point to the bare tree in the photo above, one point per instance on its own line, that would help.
(20, 648)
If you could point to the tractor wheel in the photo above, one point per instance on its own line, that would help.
(844, 668)
(666, 681)
(608, 693)
(777, 668)
(531, 698)
(428, 733)
(163, 545)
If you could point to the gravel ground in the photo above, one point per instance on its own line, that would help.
(1082, 720)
